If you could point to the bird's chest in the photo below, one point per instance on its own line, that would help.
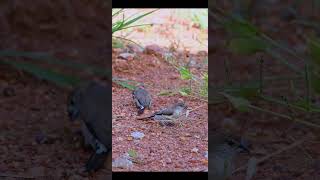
(177, 112)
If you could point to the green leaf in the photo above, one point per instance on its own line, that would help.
(314, 50)
(166, 93)
(306, 106)
(185, 91)
(205, 77)
(132, 153)
(125, 23)
(248, 92)
(303, 104)
(45, 57)
(47, 74)
(124, 84)
(116, 43)
(247, 46)
(185, 74)
(241, 28)
(204, 87)
(239, 103)
(315, 82)
(116, 12)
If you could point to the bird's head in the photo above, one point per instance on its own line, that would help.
(140, 85)
(181, 103)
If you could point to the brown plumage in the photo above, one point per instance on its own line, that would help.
(91, 102)
(142, 99)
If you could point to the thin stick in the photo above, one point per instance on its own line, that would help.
(127, 40)
(285, 116)
(227, 71)
(259, 161)
(198, 107)
(303, 149)
(144, 118)
(261, 75)
(308, 97)
(16, 176)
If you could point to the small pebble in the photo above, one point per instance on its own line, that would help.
(122, 162)
(137, 135)
(195, 150)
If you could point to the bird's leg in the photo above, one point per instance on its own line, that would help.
(97, 158)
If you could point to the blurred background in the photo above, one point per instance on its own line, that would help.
(167, 51)
(48, 47)
(264, 80)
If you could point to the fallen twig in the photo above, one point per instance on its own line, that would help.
(16, 176)
(259, 161)
(198, 107)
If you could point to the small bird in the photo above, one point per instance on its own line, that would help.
(91, 102)
(142, 98)
(167, 116)
(222, 151)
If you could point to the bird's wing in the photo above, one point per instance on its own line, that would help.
(89, 139)
(97, 113)
(100, 127)
(143, 97)
(136, 99)
(167, 111)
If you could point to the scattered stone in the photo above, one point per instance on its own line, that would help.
(126, 56)
(122, 162)
(153, 50)
(137, 135)
(195, 150)
(206, 154)
(133, 48)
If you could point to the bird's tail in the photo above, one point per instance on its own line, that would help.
(141, 110)
(96, 161)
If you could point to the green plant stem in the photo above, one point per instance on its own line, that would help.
(275, 43)
(273, 100)
(308, 96)
(284, 116)
(127, 40)
(283, 60)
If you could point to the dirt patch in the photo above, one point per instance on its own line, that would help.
(178, 148)
(36, 137)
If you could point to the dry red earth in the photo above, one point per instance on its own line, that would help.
(33, 110)
(267, 133)
(162, 148)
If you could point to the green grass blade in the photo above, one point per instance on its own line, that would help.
(39, 56)
(55, 77)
